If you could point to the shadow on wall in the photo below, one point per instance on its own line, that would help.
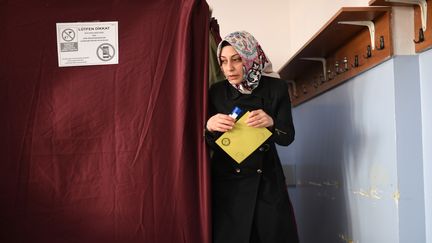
(328, 144)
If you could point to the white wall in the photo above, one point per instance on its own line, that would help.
(267, 21)
(307, 17)
(281, 26)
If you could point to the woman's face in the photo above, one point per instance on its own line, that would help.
(232, 65)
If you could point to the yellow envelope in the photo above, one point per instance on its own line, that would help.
(242, 140)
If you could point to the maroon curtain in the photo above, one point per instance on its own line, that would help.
(109, 153)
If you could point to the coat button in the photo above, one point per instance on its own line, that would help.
(264, 148)
(259, 171)
(237, 170)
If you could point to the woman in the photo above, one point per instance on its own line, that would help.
(250, 200)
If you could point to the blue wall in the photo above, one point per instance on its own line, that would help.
(359, 159)
(426, 101)
(409, 149)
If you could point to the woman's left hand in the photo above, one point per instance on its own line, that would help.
(258, 118)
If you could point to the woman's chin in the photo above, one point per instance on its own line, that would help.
(234, 81)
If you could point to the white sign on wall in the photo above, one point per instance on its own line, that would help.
(87, 43)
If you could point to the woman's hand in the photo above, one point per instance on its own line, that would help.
(258, 118)
(220, 122)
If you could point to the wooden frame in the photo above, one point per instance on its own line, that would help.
(338, 43)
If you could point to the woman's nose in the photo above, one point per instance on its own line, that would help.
(230, 65)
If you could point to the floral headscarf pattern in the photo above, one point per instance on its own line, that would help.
(253, 57)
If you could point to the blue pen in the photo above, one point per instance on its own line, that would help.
(235, 112)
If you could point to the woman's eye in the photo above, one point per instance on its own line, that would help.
(237, 60)
(223, 61)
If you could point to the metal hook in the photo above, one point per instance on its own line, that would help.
(329, 75)
(369, 52)
(316, 83)
(322, 79)
(345, 64)
(337, 69)
(421, 36)
(381, 44)
(356, 62)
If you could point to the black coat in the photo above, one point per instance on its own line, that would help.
(250, 200)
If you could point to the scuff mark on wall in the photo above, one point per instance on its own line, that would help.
(314, 183)
(371, 193)
(332, 183)
(319, 184)
(396, 197)
(346, 239)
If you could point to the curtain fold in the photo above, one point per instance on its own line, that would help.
(111, 153)
(215, 72)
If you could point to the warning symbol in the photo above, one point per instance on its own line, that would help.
(68, 35)
(105, 52)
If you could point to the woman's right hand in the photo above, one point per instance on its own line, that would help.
(220, 122)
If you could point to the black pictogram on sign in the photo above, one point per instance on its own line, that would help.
(68, 35)
(105, 52)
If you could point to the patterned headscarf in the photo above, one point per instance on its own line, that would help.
(253, 57)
